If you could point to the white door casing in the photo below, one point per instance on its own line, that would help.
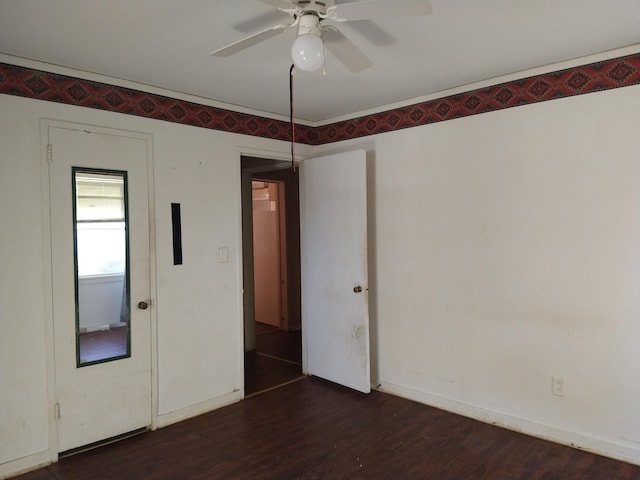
(99, 401)
(335, 311)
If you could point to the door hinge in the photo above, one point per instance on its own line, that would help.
(56, 411)
(49, 153)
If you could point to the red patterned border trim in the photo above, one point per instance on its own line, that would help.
(595, 77)
(27, 82)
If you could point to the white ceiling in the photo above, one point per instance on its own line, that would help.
(166, 43)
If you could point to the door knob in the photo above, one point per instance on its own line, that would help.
(357, 289)
(143, 305)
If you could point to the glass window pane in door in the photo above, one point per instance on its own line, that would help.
(101, 265)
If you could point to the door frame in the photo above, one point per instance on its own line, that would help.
(267, 172)
(45, 155)
(272, 159)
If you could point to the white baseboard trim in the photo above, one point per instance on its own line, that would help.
(25, 464)
(175, 416)
(626, 452)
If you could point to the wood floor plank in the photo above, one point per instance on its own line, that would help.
(313, 429)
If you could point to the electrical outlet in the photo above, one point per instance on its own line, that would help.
(557, 386)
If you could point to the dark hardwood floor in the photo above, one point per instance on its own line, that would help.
(277, 359)
(312, 429)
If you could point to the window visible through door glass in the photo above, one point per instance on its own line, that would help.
(101, 265)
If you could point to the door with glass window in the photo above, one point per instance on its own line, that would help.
(99, 207)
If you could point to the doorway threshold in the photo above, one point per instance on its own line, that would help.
(101, 443)
(275, 387)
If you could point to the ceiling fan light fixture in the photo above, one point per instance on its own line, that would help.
(307, 52)
(308, 49)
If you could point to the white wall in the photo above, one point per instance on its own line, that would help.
(198, 304)
(23, 377)
(507, 251)
(100, 301)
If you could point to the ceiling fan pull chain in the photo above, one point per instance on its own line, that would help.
(324, 60)
(293, 125)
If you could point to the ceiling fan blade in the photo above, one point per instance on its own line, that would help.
(249, 41)
(345, 51)
(373, 32)
(261, 22)
(285, 5)
(368, 9)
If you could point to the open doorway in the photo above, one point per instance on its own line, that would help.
(271, 259)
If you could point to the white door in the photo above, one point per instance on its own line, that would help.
(102, 337)
(335, 310)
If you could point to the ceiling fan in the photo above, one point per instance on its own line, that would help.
(314, 35)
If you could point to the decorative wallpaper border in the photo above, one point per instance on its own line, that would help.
(51, 87)
(591, 78)
(594, 77)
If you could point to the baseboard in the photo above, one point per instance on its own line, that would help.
(25, 464)
(616, 450)
(197, 409)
